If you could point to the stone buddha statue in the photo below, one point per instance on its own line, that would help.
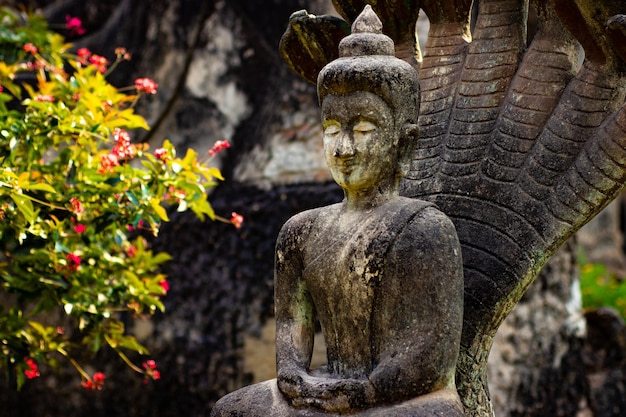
(382, 273)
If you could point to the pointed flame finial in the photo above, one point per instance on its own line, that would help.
(367, 37)
(367, 22)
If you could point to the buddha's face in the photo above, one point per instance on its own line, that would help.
(360, 140)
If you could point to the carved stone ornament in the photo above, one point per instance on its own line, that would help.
(382, 273)
(519, 144)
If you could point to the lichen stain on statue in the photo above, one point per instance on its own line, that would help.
(381, 273)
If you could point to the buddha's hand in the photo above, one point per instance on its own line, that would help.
(328, 394)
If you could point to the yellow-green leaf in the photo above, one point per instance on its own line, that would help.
(25, 206)
(159, 210)
(39, 187)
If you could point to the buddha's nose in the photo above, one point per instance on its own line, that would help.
(345, 146)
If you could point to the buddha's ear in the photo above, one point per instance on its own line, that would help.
(406, 146)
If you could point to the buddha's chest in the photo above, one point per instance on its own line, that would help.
(344, 269)
(344, 301)
(342, 280)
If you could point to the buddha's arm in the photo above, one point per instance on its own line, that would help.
(294, 311)
(420, 311)
(295, 320)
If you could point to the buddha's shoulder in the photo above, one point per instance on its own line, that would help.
(302, 222)
(422, 215)
(413, 204)
(414, 208)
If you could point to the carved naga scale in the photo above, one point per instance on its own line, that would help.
(520, 144)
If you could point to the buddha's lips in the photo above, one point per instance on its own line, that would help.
(346, 164)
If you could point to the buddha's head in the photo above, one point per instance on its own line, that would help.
(370, 106)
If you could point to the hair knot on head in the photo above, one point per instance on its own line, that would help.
(367, 63)
(367, 37)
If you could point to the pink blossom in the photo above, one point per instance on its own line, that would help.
(95, 383)
(150, 370)
(219, 146)
(77, 206)
(33, 371)
(122, 53)
(123, 149)
(73, 262)
(74, 25)
(44, 98)
(165, 285)
(236, 219)
(107, 163)
(83, 55)
(146, 85)
(30, 48)
(161, 154)
(99, 62)
(83, 52)
(131, 251)
(80, 228)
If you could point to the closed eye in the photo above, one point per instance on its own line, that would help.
(331, 129)
(364, 127)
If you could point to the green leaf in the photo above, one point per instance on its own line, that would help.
(129, 342)
(202, 207)
(160, 257)
(39, 187)
(132, 198)
(25, 206)
(159, 210)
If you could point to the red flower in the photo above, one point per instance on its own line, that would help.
(236, 219)
(74, 25)
(165, 285)
(121, 136)
(73, 262)
(30, 48)
(131, 251)
(83, 52)
(77, 206)
(161, 154)
(150, 370)
(219, 146)
(33, 372)
(44, 97)
(99, 62)
(95, 383)
(146, 85)
(107, 162)
(79, 228)
(174, 195)
(123, 148)
(122, 53)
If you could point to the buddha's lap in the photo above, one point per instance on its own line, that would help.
(265, 400)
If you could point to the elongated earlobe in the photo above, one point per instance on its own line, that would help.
(408, 141)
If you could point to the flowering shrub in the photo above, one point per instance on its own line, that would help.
(74, 193)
